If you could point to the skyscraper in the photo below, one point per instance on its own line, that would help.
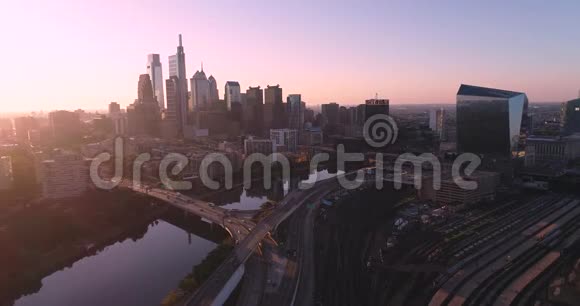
(330, 114)
(572, 117)
(143, 115)
(214, 96)
(253, 109)
(155, 72)
(489, 121)
(200, 91)
(114, 108)
(376, 106)
(232, 94)
(437, 122)
(295, 112)
(177, 69)
(65, 126)
(274, 113)
(174, 107)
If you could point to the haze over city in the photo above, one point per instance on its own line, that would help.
(69, 55)
(310, 153)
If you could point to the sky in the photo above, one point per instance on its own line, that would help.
(63, 54)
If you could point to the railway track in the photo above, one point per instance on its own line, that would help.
(457, 287)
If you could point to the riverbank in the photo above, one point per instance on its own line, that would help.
(47, 237)
(199, 274)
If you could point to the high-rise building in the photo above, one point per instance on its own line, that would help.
(437, 122)
(22, 125)
(489, 121)
(572, 117)
(295, 110)
(65, 126)
(177, 69)
(273, 94)
(144, 115)
(284, 140)
(232, 94)
(376, 106)
(274, 111)
(253, 110)
(6, 176)
(114, 108)
(65, 175)
(154, 70)
(200, 91)
(214, 95)
(330, 114)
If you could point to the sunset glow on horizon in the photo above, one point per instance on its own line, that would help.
(68, 55)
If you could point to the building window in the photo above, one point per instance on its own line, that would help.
(577, 109)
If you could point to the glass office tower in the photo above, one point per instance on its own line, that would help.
(490, 121)
(154, 70)
(572, 117)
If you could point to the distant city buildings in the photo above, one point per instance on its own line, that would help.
(118, 118)
(330, 114)
(114, 108)
(232, 94)
(489, 121)
(200, 91)
(65, 175)
(437, 123)
(253, 110)
(155, 71)
(65, 126)
(274, 111)
(144, 116)
(571, 118)
(6, 174)
(376, 106)
(22, 126)
(214, 96)
(284, 140)
(177, 69)
(295, 110)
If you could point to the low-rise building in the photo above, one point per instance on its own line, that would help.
(255, 145)
(452, 194)
(311, 137)
(284, 140)
(6, 177)
(65, 175)
(545, 151)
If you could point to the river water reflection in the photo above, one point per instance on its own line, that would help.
(142, 271)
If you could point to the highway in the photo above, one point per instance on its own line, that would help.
(210, 289)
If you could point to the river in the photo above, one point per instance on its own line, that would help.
(143, 271)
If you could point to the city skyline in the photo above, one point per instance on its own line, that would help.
(418, 54)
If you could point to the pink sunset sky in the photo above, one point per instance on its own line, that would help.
(70, 54)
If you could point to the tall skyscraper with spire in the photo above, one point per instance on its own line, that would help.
(154, 70)
(177, 69)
